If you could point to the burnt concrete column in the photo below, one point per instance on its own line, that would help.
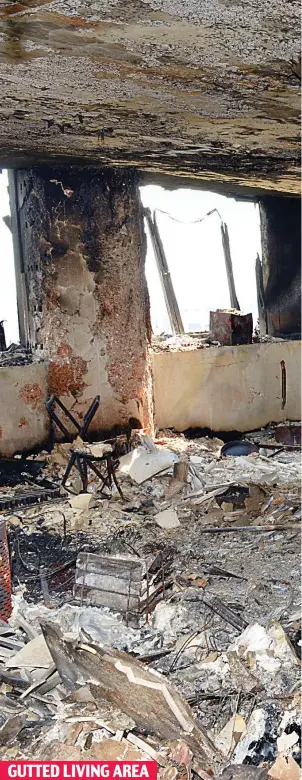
(83, 249)
(280, 220)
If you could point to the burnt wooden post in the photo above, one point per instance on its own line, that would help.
(280, 221)
(260, 297)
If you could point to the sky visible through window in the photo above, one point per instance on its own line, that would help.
(8, 294)
(194, 254)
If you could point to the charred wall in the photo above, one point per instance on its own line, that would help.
(83, 250)
(280, 220)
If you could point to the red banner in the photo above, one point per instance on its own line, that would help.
(78, 770)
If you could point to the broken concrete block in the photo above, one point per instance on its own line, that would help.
(112, 750)
(60, 455)
(61, 752)
(141, 464)
(100, 449)
(265, 652)
(226, 506)
(34, 654)
(285, 768)
(83, 501)
(167, 519)
(180, 753)
(241, 676)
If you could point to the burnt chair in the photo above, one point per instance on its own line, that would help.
(81, 458)
(81, 430)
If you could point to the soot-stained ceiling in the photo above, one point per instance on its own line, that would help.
(202, 89)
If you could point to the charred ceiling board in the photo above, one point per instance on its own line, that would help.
(208, 90)
(154, 703)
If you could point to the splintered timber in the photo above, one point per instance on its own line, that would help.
(81, 770)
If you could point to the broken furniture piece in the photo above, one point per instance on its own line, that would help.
(31, 487)
(231, 327)
(83, 459)
(80, 430)
(37, 495)
(80, 457)
(121, 582)
(153, 702)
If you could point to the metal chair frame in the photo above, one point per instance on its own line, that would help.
(81, 459)
(81, 430)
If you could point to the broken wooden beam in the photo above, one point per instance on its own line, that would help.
(164, 275)
(229, 265)
(142, 693)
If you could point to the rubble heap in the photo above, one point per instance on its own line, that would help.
(163, 624)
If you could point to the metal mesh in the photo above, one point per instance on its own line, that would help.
(5, 578)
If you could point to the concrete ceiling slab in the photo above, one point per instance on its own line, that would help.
(206, 90)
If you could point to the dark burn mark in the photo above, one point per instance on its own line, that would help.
(283, 384)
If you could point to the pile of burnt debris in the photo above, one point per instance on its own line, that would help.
(15, 355)
(155, 604)
(206, 339)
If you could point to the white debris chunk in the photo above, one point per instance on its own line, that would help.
(285, 768)
(167, 519)
(83, 501)
(255, 731)
(141, 464)
(228, 738)
(33, 655)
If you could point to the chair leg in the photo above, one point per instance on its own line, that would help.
(104, 479)
(83, 472)
(71, 463)
(113, 475)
